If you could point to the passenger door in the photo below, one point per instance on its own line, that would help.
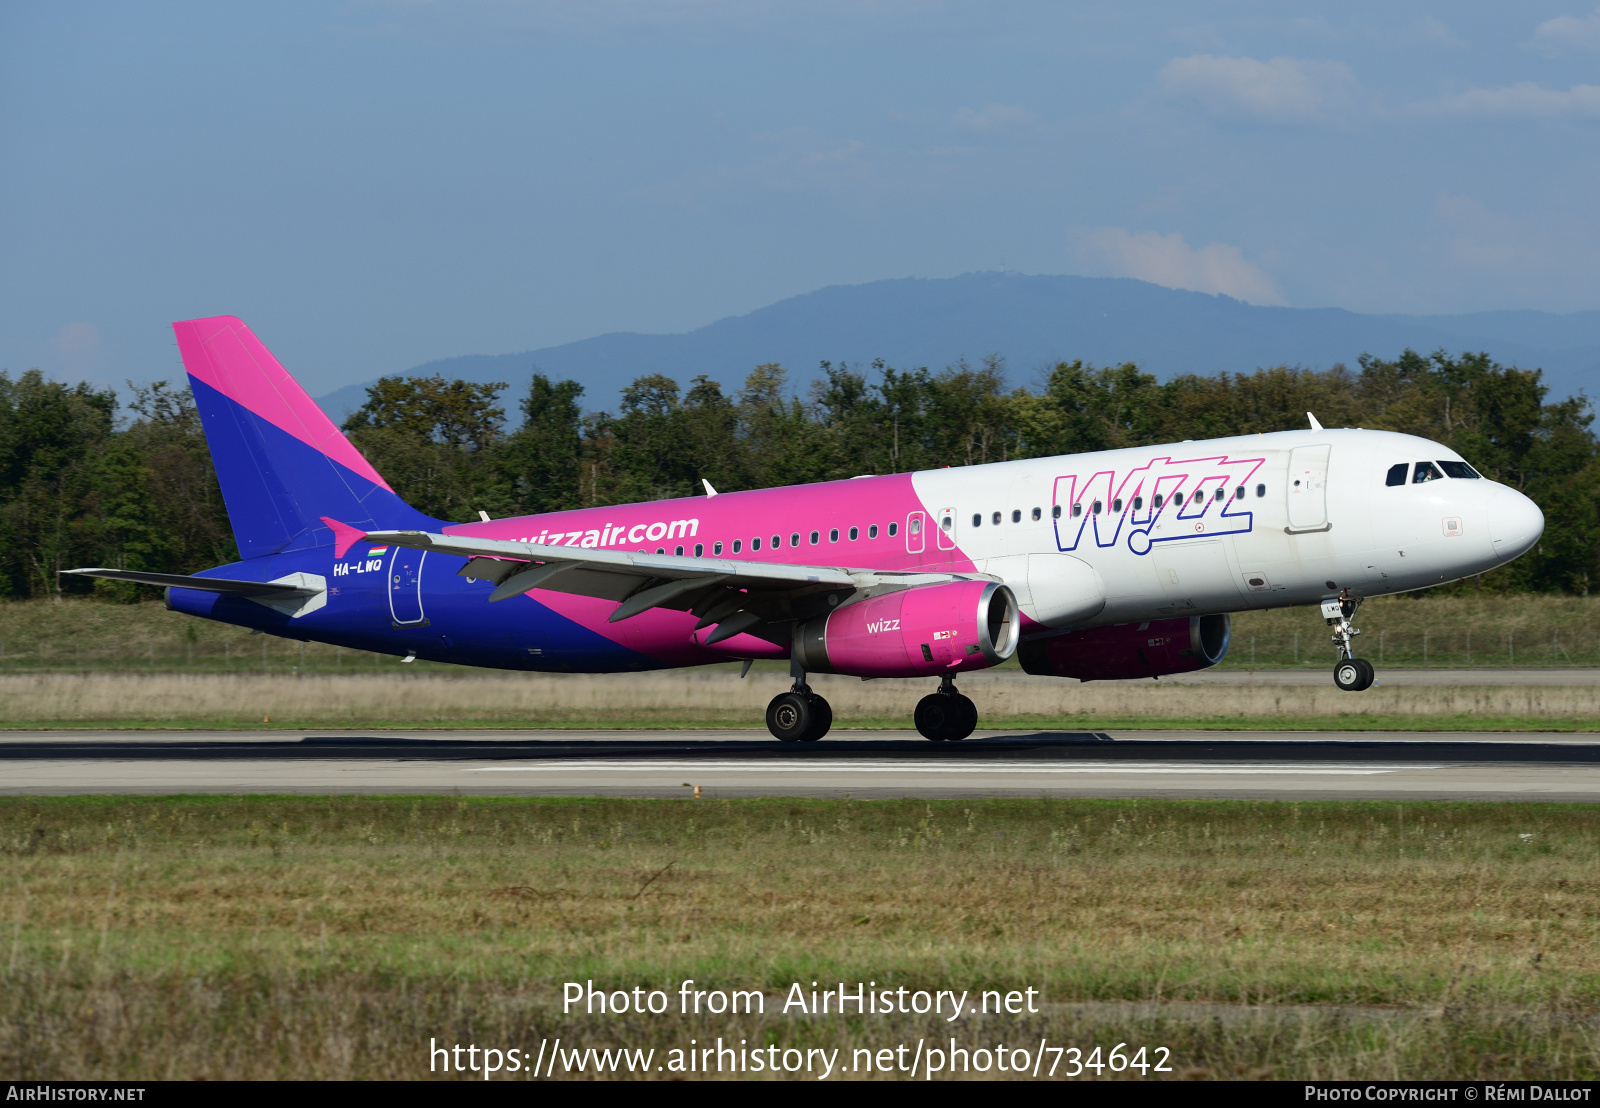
(1308, 488)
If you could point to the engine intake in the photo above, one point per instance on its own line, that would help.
(927, 630)
(1130, 650)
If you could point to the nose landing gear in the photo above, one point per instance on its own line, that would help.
(946, 716)
(799, 715)
(1351, 674)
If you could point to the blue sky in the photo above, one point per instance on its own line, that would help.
(374, 184)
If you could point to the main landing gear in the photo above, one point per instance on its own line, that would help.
(946, 716)
(799, 715)
(1351, 674)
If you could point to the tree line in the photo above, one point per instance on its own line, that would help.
(81, 487)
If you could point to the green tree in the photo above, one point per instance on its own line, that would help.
(433, 441)
(541, 462)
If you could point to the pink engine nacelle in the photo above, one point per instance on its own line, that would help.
(923, 631)
(1129, 650)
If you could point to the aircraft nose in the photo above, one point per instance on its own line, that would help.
(1515, 524)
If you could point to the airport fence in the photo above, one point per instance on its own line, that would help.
(1446, 632)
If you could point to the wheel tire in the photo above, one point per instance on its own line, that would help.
(821, 720)
(966, 719)
(938, 717)
(1369, 675)
(1349, 674)
(790, 717)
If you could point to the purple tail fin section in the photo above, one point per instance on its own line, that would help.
(281, 462)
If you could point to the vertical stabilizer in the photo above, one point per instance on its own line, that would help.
(280, 460)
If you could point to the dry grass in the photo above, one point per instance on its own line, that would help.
(697, 698)
(331, 937)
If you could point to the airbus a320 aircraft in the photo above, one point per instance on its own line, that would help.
(1108, 566)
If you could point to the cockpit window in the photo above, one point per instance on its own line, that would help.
(1458, 469)
(1426, 472)
(1397, 474)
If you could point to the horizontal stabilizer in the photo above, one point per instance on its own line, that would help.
(296, 595)
(204, 584)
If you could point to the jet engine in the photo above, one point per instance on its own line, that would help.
(923, 631)
(1129, 650)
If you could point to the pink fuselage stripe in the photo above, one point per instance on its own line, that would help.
(222, 352)
(665, 634)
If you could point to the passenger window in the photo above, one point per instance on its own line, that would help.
(716, 548)
(814, 537)
(977, 520)
(1036, 515)
(1138, 503)
(833, 535)
(1261, 490)
(1457, 469)
(1426, 472)
(947, 522)
(893, 528)
(755, 544)
(1077, 510)
(661, 550)
(1116, 505)
(700, 550)
(1238, 493)
(855, 533)
(1177, 499)
(777, 541)
(872, 532)
(1397, 474)
(1157, 501)
(1220, 494)
(916, 526)
(1055, 511)
(678, 551)
(1016, 516)
(997, 519)
(737, 543)
(1096, 508)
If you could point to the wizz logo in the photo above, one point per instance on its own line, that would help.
(883, 625)
(1161, 501)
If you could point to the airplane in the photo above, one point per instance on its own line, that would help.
(1113, 565)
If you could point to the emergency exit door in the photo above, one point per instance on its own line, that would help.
(405, 585)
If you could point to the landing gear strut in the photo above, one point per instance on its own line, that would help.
(799, 715)
(946, 716)
(1351, 674)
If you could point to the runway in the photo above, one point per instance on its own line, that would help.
(863, 764)
(1564, 676)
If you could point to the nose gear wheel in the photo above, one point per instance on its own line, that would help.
(1354, 674)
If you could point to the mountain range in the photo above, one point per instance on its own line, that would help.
(1033, 322)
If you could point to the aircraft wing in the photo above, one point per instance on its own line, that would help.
(736, 595)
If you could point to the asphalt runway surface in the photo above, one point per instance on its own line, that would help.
(1323, 675)
(862, 764)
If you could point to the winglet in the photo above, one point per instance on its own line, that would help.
(344, 535)
(709, 490)
(1315, 426)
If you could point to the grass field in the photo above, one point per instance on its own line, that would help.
(718, 698)
(332, 937)
(1486, 630)
(88, 664)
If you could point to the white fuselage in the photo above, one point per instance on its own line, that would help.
(1301, 516)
